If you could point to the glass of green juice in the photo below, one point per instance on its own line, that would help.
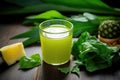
(56, 41)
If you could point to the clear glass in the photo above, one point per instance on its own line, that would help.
(56, 41)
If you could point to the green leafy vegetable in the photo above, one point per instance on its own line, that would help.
(64, 70)
(29, 62)
(80, 25)
(82, 22)
(86, 22)
(33, 6)
(47, 15)
(24, 3)
(76, 70)
(92, 53)
(52, 14)
(32, 36)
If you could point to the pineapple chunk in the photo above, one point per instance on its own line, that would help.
(13, 53)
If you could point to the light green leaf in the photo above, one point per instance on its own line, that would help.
(75, 69)
(30, 62)
(89, 16)
(64, 70)
(47, 15)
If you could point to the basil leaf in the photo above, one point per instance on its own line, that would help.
(29, 62)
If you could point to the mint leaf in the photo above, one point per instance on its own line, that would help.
(29, 62)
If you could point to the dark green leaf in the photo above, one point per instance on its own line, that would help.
(32, 36)
(29, 62)
(92, 53)
(103, 18)
(96, 6)
(80, 27)
(75, 50)
(86, 22)
(24, 3)
(30, 6)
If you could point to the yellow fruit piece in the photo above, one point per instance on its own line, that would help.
(12, 53)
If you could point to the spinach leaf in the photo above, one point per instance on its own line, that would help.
(92, 53)
(64, 70)
(75, 69)
(29, 62)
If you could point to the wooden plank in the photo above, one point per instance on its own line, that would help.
(45, 71)
(50, 72)
(13, 72)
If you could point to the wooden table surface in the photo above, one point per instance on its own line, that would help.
(44, 71)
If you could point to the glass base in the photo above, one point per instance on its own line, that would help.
(56, 63)
(50, 72)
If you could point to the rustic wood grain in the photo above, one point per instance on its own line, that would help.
(44, 71)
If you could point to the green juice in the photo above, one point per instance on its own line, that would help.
(56, 44)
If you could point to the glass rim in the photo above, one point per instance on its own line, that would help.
(56, 32)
